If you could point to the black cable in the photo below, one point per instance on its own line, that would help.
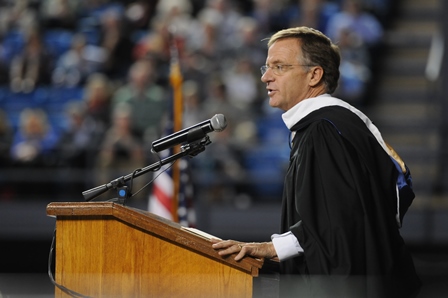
(152, 180)
(50, 273)
(132, 180)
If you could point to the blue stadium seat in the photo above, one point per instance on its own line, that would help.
(58, 98)
(266, 166)
(13, 43)
(271, 129)
(58, 41)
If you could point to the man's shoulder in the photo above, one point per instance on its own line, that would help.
(335, 115)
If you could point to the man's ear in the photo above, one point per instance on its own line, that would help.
(317, 74)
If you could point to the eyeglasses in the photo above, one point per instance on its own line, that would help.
(279, 69)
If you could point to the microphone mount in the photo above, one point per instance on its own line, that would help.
(189, 149)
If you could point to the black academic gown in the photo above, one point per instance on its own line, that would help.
(340, 202)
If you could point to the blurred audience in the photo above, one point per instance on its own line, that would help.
(120, 52)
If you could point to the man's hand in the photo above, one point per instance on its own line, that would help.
(256, 250)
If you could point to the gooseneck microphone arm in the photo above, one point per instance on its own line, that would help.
(190, 149)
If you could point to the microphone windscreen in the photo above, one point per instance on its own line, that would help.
(218, 122)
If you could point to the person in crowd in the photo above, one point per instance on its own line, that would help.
(78, 147)
(247, 42)
(310, 13)
(222, 162)
(59, 14)
(268, 15)
(81, 60)
(355, 72)
(98, 92)
(229, 16)
(205, 39)
(147, 99)
(35, 140)
(218, 101)
(33, 151)
(360, 34)
(345, 191)
(193, 112)
(240, 76)
(353, 17)
(121, 152)
(18, 16)
(116, 40)
(31, 67)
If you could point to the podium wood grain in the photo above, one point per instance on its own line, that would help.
(108, 250)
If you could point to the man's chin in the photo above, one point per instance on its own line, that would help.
(274, 104)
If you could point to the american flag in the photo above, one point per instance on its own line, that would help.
(164, 197)
(185, 211)
(160, 200)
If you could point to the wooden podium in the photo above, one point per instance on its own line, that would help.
(104, 249)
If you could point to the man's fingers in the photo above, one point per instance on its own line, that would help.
(222, 244)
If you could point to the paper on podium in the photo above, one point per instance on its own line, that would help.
(200, 233)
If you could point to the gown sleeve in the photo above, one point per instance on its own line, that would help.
(335, 198)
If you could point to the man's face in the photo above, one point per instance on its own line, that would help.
(291, 85)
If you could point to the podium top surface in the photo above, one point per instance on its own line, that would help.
(152, 224)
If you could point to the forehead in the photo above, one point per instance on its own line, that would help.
(284, 50)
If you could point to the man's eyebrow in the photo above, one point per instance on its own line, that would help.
(276, 62)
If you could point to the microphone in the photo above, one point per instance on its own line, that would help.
(192, 133)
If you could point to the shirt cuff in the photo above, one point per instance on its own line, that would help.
(286, 246)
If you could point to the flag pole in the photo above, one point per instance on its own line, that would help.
(176, 84)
